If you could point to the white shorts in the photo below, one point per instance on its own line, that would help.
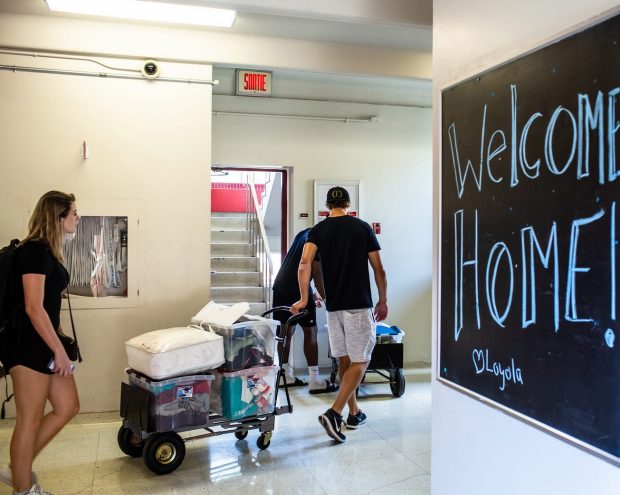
(352, 333)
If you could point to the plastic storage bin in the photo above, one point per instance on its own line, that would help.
(248, 343)
(179, 402)
(244, 393)
(389, 335)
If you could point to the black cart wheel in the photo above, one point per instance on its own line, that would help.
(130, 443)
(163, 452)
(263, 441)
(241, 434)
(397, 382)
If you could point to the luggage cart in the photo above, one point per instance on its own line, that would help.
(386, 360)
(164, 451)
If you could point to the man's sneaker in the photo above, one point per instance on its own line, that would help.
(332, 422)
(354, 421)
(37, 490)
(6, 476)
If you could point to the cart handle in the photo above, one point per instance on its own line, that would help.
(292, 319)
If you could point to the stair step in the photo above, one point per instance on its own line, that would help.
(237, 294)
(227, 214)
(229, 222)
(234, 276)
(231, 249)
(234, 263)
(234, 279)
(230, 235)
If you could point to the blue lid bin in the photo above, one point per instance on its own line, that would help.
(387, 334)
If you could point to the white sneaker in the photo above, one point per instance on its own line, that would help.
(6, 476)
(37, 490)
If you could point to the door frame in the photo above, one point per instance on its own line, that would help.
(283, 199)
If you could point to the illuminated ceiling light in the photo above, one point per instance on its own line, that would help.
(147, 11)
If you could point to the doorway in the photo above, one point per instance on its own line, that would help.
(228, 195)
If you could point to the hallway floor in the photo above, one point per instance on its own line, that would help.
(389, 455)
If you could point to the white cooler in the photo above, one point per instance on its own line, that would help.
(174, 351)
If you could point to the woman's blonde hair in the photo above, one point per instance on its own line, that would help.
(44, 223)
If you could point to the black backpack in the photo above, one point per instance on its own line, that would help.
(7, 285)
(8, 308)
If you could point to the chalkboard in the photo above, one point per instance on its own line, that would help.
(530, 230)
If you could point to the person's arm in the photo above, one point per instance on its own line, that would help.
(317, 277)
(304, 274)
(381, 308)
(34, 290)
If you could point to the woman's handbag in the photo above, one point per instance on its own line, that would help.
(72, 348)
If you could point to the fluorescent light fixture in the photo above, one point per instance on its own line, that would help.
(147, 11)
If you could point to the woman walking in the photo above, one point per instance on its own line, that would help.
(33, 353)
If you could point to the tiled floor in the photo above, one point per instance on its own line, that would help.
(388, 455)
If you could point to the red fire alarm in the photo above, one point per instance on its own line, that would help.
(376, 227)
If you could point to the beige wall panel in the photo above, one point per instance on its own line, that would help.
(150, 145)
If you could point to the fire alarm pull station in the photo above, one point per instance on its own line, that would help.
(376, 227)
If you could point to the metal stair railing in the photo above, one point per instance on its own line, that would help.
(258, 239)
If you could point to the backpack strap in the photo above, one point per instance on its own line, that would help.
(8, 397)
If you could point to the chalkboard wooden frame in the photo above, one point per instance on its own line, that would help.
(528, 303)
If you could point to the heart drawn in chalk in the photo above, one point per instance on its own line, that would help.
(478, 357)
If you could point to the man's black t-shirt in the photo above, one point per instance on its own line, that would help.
(343, 244)
(286, 283)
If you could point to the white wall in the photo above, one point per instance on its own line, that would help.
(478, 449)
(391, 158)
(150, 147)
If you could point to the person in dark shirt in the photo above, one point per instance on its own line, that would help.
(285, 293)
(33, 342)
(345, 245)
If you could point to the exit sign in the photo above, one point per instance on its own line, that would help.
(253, 83)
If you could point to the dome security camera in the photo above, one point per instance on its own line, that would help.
(150, 69)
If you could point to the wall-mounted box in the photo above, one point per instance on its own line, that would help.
(102, 259)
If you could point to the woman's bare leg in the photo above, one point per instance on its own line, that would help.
(31, 390)
(65, 403)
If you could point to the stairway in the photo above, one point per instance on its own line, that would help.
(234, 268)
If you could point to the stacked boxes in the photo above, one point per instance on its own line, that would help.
(176, 403)
(238, 394)
(245, 384)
